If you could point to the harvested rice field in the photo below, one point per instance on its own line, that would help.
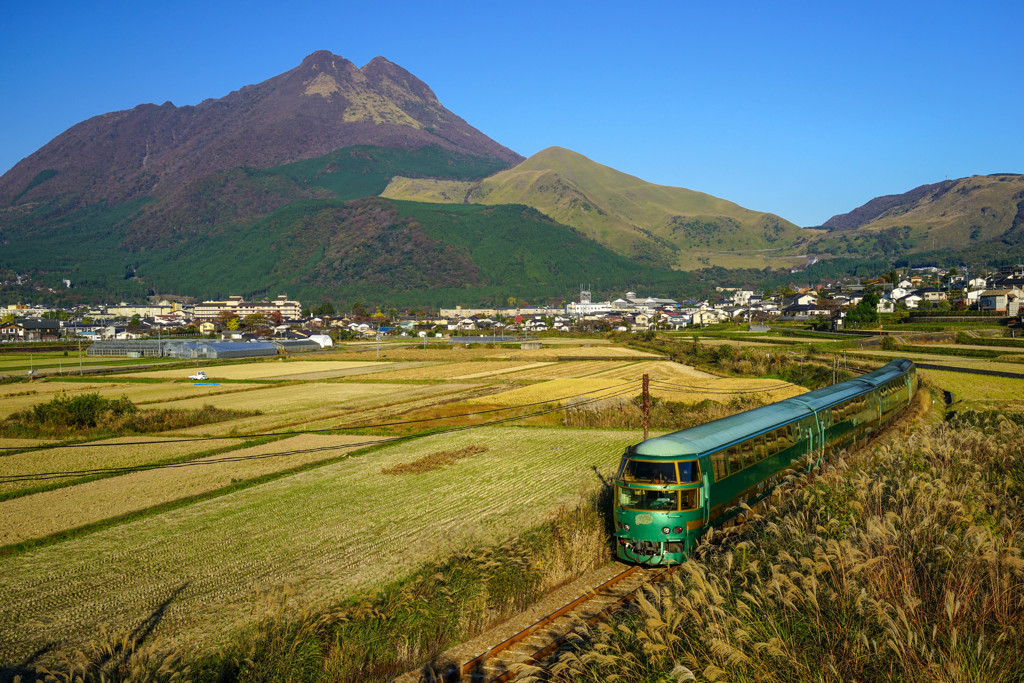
(325, 532)
(144, 395)
(99, 454)
(268, 369)
(580, 368)
(207, 539)
(686, 389)
(979, 391)
(42, 514)
(456, 370)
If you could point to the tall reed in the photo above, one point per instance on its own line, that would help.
(903, 562)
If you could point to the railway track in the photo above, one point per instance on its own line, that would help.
(543, 637)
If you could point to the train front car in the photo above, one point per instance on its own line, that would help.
(659, 505)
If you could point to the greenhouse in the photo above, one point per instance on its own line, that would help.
(179, 348)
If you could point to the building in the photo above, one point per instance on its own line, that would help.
(30, 329)
(211, 310)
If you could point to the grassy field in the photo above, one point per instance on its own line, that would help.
(201, 570)
(194, 550)
(51, 512)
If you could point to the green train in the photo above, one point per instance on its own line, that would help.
(671, 489)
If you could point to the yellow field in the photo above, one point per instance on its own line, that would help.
(562, 391)
(42, 514)
(984, 391)
(326, 531)
(321, 406)
(627, 382)
(455, 370)
(272, 369)
(143, 395)
(108, 453)
(580, 368)
(658, 370)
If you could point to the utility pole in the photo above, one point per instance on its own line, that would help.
(646, 405)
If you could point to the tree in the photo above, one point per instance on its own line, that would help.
(324, 309)
(8, 318)
(254, 321)
(225, 317)
(136, 320)
(232, 324)
(358, 310)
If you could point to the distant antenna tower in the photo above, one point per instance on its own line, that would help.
(584, 295)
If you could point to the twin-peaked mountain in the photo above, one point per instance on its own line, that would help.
(324, 104)
(332, 181)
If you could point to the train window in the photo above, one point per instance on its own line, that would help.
(688, 472)
(748, 453)
(649, 472)
(759, 448)
(720, 467)
(646, 499)
(735, 459)
(689, 499)
(771, 442)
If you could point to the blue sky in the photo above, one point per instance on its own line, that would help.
(801, 109)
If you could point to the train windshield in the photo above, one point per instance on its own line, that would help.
(657, 501)
(648, 472)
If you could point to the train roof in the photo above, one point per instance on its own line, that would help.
(712, 436)
(721, 433)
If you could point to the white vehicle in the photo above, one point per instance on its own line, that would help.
(199, 376)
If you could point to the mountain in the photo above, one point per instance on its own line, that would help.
(324, 104)
(980, 214)
(664, 226)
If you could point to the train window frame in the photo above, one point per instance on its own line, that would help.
(719, 465)
(643, 494)
(749, 456)
(760, 446)
(695, 474)
(734, 456)
(675, 471)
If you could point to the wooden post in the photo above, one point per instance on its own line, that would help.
(646, 406)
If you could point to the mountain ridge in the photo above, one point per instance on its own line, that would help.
(659, 224)
(323, 104)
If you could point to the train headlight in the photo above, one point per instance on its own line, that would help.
(678, 530)
(626, 527)
(666, 530)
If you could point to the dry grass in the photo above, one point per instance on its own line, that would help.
(981, 391)
(338, 527)
(50, 512)
(454, 370)
(103, 454)
(902, 563)
(139, 393)
(580, 368)
(267, 369)
(435, 460)
(559, 391)
(686, 389)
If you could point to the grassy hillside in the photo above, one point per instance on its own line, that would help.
(983, 213)
(656, 224)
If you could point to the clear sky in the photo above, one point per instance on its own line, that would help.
(803, 109)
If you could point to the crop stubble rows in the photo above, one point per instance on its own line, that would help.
(337, 527)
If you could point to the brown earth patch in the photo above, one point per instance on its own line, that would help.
(435, 460)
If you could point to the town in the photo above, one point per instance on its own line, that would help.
(826, 306)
